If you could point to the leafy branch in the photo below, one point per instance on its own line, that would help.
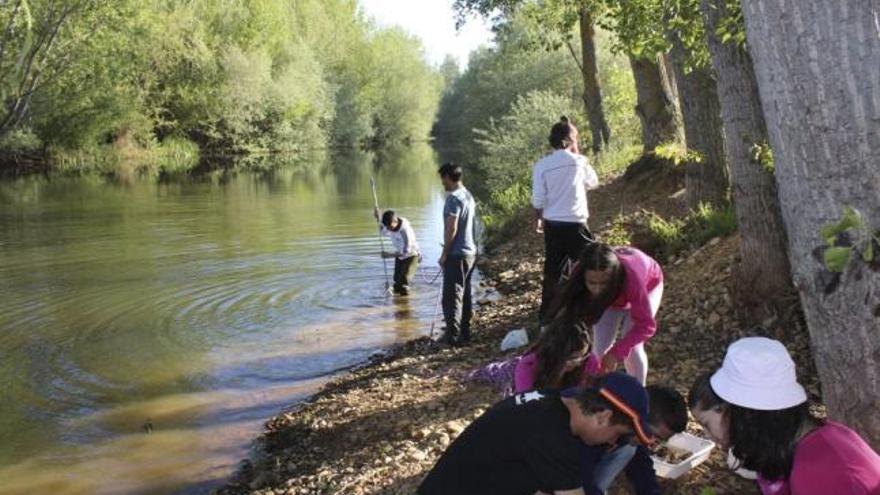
(846, 237)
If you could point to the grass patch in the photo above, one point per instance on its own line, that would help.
(616, 159)
(673, 236)
(125, 160)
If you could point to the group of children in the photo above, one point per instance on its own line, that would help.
(573, 423)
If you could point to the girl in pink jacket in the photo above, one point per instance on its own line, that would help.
(616, 288)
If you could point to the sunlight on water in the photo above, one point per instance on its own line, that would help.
(202, 306)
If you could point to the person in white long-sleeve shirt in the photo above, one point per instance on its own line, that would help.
(560, 182)
(406, 249)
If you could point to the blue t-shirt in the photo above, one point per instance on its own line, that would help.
(461, 204)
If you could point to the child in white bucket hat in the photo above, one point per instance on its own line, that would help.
(754, 405)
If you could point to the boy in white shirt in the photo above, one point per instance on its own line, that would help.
(406, 250)
(560, 182)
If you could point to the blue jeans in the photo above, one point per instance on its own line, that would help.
(611, 465)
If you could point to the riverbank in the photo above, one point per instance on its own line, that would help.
(380, 428)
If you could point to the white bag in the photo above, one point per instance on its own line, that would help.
(514, 338)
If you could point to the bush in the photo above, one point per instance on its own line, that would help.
(513, 143)
(675, 235)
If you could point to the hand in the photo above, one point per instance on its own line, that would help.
(609, 363)
(539, 226)
(442, 260)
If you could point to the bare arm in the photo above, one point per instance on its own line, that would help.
(449, 232)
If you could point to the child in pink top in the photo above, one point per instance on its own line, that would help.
(557, 359)
(754, 406)
(615, 288)
(830, 459)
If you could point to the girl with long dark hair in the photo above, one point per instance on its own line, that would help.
(754, 406)
(556, 360)
(615, 288)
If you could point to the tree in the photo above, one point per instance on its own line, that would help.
(657, 26)
(558, 19)
(763, 277)
(706, 178)
(28, 37)
(817, 65)
(656, 105)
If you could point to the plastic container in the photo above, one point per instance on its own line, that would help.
(700, 449)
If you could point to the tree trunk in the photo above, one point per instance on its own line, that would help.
(655, 106)
(592, 91)
(763, 277)
(706, 181)
(818, 65)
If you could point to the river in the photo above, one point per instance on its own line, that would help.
(197, 307)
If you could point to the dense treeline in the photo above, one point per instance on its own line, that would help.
(771, 108)
(151, 84)
(496, 113)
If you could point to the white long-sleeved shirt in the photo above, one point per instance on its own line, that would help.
(560, 182)
(403, 239)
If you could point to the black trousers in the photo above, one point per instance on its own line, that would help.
(404, 271)
(457, 304)
(563, 241)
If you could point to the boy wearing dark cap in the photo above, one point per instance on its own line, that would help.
(532, 442)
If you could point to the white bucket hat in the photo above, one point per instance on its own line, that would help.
(758, 373)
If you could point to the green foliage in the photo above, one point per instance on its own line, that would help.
(677, 234)
(762, 154)
(519, 138)
(707, 491)
(851, 219)
(497, 114)
(616, 158)
(645, 28)
(504, 203)
(845, 237)
(239, 78)
(677, 153)
(617, 234)
(732, 27)
(20, 140)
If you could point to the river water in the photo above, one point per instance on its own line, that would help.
(201, 307)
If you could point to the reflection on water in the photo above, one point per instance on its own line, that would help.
(201, 306)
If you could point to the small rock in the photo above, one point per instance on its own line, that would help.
(454, 427)
(444, 440)
(714, 241)
(714, 318)
(263, 479)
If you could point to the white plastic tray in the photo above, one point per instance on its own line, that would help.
(700, 449)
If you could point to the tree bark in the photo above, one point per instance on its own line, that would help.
(706, 181)
(818, 65)
(655, 106)
(763, 276)
(592, 90)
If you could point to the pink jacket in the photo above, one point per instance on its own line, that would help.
(643, 275)
(831, 459)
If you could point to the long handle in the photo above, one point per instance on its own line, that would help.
(381, 239)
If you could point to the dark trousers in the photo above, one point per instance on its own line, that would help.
(404, 271)
(562, 241)
(457, 309)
